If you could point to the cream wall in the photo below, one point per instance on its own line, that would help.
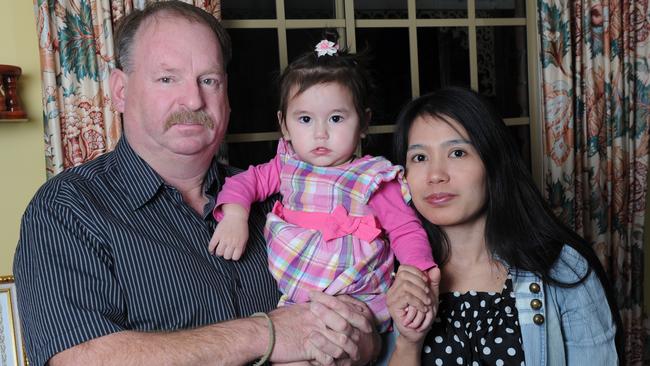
(22, 164)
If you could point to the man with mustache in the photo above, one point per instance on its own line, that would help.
(112, 265)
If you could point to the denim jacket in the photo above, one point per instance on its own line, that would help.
(565, 326)
(559, 326)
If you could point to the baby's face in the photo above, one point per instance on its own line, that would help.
(322, 125)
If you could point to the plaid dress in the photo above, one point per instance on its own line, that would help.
(302, 261)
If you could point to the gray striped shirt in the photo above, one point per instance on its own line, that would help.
(109, 246)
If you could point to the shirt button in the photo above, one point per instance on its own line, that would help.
(534, 288)
(538, 319)
(536, 304)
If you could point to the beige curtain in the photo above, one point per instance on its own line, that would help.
(596, 88)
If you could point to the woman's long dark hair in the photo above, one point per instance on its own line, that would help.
(520, 227)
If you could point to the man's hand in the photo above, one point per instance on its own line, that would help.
(349, 336)
(231, 235)
(328, 331)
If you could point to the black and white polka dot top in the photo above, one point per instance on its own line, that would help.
(475, 328)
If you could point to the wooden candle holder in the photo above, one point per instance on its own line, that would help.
(10, 106)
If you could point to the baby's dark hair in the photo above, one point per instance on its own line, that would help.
(344, 68)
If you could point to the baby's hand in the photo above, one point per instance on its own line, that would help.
(413, 292)
(416, 319)
(231, 235)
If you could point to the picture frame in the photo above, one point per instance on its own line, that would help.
(11, 343)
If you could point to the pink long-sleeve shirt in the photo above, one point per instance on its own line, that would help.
(408, 240)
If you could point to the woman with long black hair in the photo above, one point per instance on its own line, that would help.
(516, 285)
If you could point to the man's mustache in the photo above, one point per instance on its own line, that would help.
(189, 117)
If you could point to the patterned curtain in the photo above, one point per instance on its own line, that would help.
(596, 110)
(76, 50)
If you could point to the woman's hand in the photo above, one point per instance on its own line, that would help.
(418, 290)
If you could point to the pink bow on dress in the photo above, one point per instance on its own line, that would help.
(332, 225)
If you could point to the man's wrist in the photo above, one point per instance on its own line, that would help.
(271, 338)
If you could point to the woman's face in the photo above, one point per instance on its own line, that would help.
(445, 173)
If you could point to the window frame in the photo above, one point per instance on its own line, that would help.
(346, 23)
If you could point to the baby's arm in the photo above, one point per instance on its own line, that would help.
(231, 235)
(407, 237)
(233, 205)
(408, 240)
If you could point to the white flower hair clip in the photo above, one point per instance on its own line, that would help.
(326, 47)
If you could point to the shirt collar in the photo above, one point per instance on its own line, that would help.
(141, 182)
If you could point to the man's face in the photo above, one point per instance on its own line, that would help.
(174, 96)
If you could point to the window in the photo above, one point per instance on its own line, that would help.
(416, 47)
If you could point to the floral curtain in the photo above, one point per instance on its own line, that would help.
(76, 51)
(596, 110)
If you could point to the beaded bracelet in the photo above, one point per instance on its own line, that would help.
(269, 349)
